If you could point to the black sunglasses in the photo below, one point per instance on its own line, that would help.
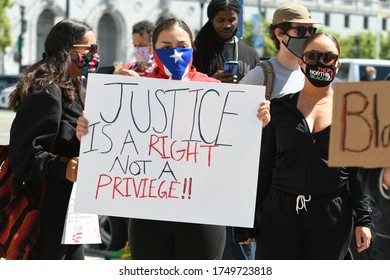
(312, 57)
(92, 47)
(302, 30)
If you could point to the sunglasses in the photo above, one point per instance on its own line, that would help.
(302, 30)
(312, 57)
(91, 47)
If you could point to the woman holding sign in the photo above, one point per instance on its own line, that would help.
(173, 240)
(305, 208)
(43, 146)
(165, 240)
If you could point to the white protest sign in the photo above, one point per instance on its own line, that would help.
(170, 150)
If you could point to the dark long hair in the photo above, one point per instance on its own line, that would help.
(54, 67)
(208, 46)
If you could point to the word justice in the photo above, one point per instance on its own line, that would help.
(203, 113)
(143, 188)
(367, 116)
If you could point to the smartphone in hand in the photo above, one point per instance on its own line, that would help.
(231, 66)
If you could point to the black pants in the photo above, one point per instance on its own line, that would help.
(160, 240)
(380, 248)
(50, 247)
(61, 252)
(323, 232)
(52, 225)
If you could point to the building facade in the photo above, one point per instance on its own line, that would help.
(112, 21)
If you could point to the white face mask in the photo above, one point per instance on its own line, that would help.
(142, 54)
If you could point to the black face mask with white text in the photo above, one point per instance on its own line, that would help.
(320, 74)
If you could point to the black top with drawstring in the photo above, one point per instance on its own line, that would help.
(294, 160)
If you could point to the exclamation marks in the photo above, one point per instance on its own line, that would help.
(187, 188)
(190, 188)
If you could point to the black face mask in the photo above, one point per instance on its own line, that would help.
(320, 74)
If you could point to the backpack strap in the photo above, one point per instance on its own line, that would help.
(269, 77)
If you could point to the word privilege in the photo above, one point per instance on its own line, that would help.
(144, 188)
(214, 271)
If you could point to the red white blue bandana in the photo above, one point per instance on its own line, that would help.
(174, 62)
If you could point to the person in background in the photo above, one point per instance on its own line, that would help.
(307, 210)
(44, 148)
(221, 55)
(291, 25)
(165, 240)
(370, 74)
(376, 182)
(218, 52)
(143, 52)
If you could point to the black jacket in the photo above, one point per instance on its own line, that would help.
(43, 132)
(371, 181)
(294, 160)
(44, 117)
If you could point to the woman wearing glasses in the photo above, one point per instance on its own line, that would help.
(44, 148)
(307, 210)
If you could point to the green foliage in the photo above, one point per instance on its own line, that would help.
(367, 45)
(5, 24)
(360, 45)
(385, 46)
(248, 32)
(347, 45)
(269, 48)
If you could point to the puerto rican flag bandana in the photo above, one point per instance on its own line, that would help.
(174, 62)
